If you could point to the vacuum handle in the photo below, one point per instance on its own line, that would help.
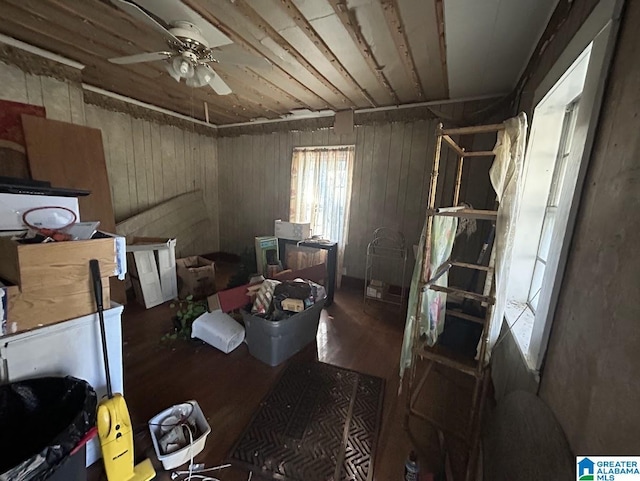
(97, 283)
(94, 267)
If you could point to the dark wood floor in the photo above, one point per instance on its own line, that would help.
(230, 387)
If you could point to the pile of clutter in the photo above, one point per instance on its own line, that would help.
(279, 317)
(276, 301)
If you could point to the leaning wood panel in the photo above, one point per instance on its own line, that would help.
(65, 154)
(71, 156)
(184, 218)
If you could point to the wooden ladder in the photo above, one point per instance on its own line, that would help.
(477, 368)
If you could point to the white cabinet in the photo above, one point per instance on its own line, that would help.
(70, 348)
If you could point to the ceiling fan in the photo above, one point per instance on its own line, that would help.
(189, 55)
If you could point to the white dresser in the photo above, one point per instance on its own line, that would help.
(68, 348)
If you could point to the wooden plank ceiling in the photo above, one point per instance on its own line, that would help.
(326, 54)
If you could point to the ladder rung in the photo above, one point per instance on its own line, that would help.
(461, 315)
(478, 129)
(472, 266)
(453, 145)
(467, 213)
(468, 367)
(463, 293)
(480, 153)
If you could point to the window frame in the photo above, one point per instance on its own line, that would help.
(554, 197)
(600, 30)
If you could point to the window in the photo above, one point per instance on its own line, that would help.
(548, 222)
(548, 161)
(321, 180)
(567, 105)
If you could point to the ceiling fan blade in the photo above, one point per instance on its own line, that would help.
(215, 82)
(235, 56)
(140, 14)
(142, 57)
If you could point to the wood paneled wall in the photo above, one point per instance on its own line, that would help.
(390, 182)
(147, 162)
(63, 100)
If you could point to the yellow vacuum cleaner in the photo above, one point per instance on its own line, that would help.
(114, 424)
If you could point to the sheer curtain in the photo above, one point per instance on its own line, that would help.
(321, 179)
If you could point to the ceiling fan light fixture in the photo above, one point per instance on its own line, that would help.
(182, 67)
(201, 77)
(172, 72)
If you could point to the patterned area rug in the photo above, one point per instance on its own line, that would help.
(318, 423)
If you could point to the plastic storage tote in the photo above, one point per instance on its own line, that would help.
(273, 342)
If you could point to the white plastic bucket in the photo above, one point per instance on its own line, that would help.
(184, 455)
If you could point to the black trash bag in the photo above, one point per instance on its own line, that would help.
(41, 421)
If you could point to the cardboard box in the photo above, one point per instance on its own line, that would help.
(197, 277)
(266, 253)
(153, 270)
(376, 289)
(293, 305)
(292, 230)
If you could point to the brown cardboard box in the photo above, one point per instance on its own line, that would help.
(196, 277)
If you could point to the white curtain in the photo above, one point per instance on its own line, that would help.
(321, 179)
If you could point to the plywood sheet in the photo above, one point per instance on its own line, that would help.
(69, 155)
